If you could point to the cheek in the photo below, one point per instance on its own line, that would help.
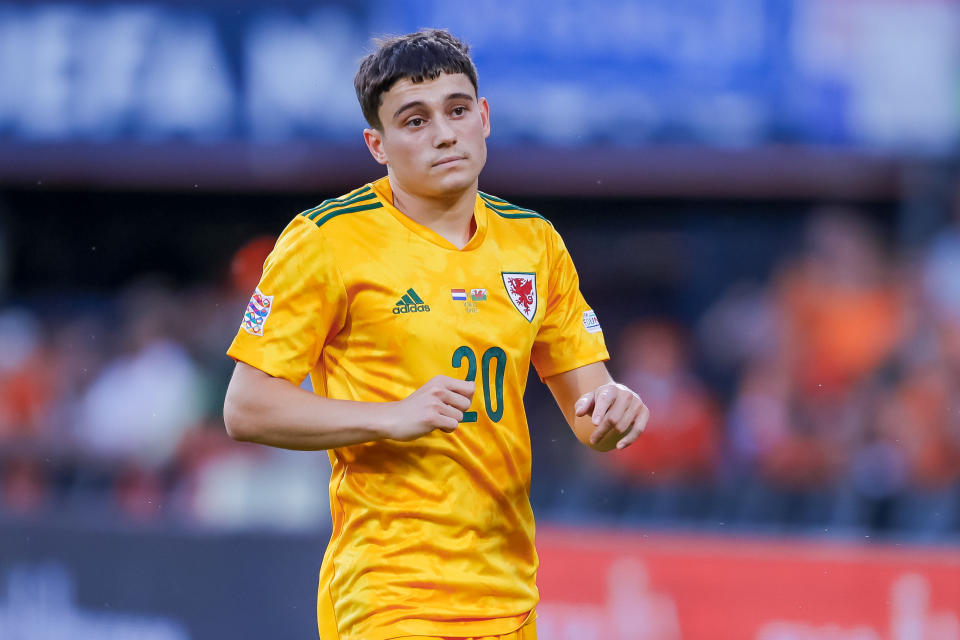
(478, 131)
(401, 152)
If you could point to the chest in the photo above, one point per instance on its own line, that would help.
(413, 298)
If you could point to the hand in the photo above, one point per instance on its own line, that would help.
(617, 413)
(439, 404)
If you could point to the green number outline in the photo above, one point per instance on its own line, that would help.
(488, 355)
(493, 353)
(457, 362)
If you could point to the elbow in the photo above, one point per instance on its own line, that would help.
(239, 419)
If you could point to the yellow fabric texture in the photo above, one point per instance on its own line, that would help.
(528, 632)
(433, 537)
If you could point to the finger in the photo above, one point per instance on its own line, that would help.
(601, 431)
(617, 415)
(599, 434)
(447, 381)
(447, 411)
(584, 405)
(440, 385)
(604, 397)
(463, 387)
(628, 422)
(637, 428)
(455, 400)
(448, 423)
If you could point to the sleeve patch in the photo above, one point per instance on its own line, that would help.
(258, 310)
(590, 322)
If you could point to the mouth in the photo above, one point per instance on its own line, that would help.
(448, 160)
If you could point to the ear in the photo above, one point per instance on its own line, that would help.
(485, 116)
(374, 140)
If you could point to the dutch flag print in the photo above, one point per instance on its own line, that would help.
(458, 294)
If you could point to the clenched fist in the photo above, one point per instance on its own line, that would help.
(617, 413)
(438, 404)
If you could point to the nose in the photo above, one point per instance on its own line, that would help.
(443, 134)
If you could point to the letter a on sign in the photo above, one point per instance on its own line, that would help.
(522, 289)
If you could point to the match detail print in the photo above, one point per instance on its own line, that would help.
(590, 322)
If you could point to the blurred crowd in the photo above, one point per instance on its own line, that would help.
(824, 395)
(112, 408)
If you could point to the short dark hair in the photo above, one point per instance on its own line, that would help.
(419, 56)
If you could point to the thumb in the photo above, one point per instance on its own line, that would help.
(584, 405)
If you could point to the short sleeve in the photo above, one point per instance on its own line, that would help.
(570, 335)
(299, 305)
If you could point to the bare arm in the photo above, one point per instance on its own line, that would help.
(273, 411)
(602, 413)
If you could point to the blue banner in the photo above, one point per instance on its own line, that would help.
(572, 73)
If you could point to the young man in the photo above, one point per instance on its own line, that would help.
(416, 304)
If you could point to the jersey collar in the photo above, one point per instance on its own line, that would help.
(385, 194)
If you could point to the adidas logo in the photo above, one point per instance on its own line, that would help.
(410, 303)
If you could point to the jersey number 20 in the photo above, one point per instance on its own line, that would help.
(493, 353)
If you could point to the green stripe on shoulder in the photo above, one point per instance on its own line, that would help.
(339, 212)
(506, 210)
(487, 196)
(363, 193)
(338, 203)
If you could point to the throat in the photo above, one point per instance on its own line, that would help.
(455, 231)
(452, 220)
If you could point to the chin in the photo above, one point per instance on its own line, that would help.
(451, 185)
(457, 180)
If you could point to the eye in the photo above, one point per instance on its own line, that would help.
(415, 122)
(459, 111)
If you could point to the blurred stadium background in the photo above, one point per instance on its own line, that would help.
(761, 197)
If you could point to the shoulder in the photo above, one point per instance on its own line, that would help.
(526, 222)
(509, 211)
(355, 202)
(312, 232)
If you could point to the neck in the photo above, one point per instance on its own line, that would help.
(450, 216)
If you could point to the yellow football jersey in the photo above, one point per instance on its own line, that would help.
(431, 537)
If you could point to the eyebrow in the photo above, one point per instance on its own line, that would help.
(421, 103)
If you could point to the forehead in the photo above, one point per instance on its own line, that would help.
(436, 90)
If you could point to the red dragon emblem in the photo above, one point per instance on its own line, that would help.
(522, 288)
(521, 291)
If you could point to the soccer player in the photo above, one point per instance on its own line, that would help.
(416, 304)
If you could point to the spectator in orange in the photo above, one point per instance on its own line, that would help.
(680, 445)
(841, 306)
(246, 266)
(24, 484)
(791, 444)
(26, 380)
(930, 431)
